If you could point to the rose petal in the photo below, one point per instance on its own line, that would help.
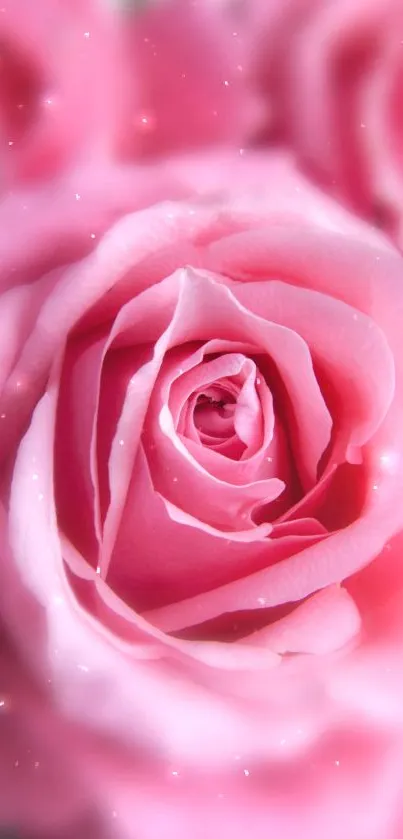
(75, 478)
(320, 565)
(200, 558)
(367, 394)
(37, 792)
(323, 623)
(212, 500)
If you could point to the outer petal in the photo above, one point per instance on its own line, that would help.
(338, 777)
(39, 792)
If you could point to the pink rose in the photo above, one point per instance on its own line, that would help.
(331, 74)
(187, 83)
(57, 102)
(201, 412)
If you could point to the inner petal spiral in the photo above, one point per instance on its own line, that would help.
(213, 414)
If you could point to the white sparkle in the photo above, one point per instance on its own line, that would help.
(82, 667)
(389, 461)
(86, 34)
(246, 772)
(77, 196)
(121, 442)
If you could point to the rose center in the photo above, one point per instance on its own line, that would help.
(214, 413)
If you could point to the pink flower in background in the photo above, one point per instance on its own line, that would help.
(201, 415)
(80, 80)
(59, 93)
(331, 75)
(188, 80)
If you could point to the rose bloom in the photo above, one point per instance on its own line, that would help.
(201, 412)
(331, 76)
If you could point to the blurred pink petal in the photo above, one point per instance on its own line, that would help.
(189, 88)
(59, 90)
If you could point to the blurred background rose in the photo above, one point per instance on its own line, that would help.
(323, 77)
